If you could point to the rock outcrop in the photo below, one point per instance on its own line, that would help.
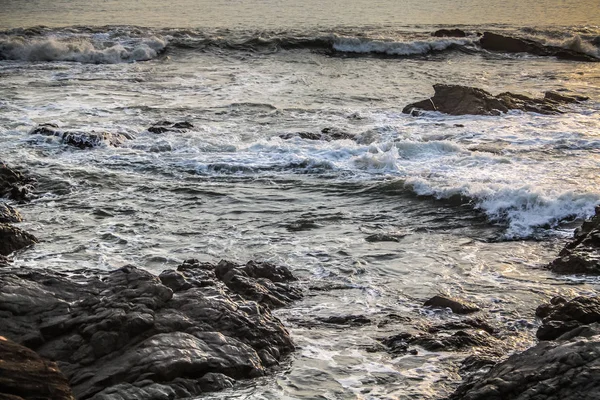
(582, 254)
(495, 42)
(457, 306)
(130, 334)
(9, 214)
(568, 369)
(560, 316)
(168, 126)
(25, 375)
(13, 184)
(326, 134)
(80, 140)
(464, 100)
(449, 33)
(13, 239)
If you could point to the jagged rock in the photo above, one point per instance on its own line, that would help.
(13, 239)
(81, 140)
(354, 320)
(582, 254)
(9, 214)
(326, 134)
(568, 369)
(449, 33)
(495, 42)
(168, 126)
(26, 375)
(457, 306)
(13, 184)
(128, 334)
(464, 100)
(561, 316)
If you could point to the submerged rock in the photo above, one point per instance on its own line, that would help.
(495, 42)
(568, 369)
(457, 306)
(582, 254)
(26, 375)
(130, 334)
(464, 100)
(13, 239)
(168, 126)
(80, 140)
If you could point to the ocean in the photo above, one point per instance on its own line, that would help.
(468, 206)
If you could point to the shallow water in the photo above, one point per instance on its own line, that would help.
(476, 205)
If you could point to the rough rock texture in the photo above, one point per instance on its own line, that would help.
(582, 254)
(449, 33)
(9, 214)
(560, 316)
(13, 239)
(568, 369)
(168, 126)
(463, 100)
(26, 375)
(80, 140)
(128, 334)
(13, 184)
(326, 134)
(457, 306)
(495, 42)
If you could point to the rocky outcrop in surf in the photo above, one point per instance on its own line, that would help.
(168, 126)
(465, 100)
(14, 184)
(582, 254)
(80, 140)
(559, 316)
(449, 33)
(25, 375)
(326, 134)
(13, 239)
(131, 334)
(507, 44)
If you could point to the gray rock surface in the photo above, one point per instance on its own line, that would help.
(80, 140)
(13, 239)
(13, 184)
(129, 334)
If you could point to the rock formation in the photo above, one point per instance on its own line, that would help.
(80, 140)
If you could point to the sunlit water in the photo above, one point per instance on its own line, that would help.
(478, 204)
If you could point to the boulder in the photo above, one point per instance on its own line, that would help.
(495, 42)
(464, 100)
(560, 316)
(582, 254)
(568, 369)
(326, 134)
(26, 375)
(168, 126)
(13, 239)
(449, 33)
(457, 306)
(9, 214)
(13, 184)
(80, 140)
(130, 334)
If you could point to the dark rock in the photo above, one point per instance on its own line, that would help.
(460, 340)
(8, 214)
(384, 237)
(354, 320)
(326, 134)
(568, 369)
(129, 334)
(457, 306)
(464, 100)
(449, 33)
(80, 140)
(582, 254)
(495, 42)
(561, 316)
(13, 184)
(168, 126)
(13, 239)
(469, 323)
(26, 375)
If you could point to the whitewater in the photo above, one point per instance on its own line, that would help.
(469, 206)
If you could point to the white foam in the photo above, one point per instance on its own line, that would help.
(358, 45)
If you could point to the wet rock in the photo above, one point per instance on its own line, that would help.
(80, 140)
(495, 42)
(353, 320)
(13, 184)
(568, 369)
(561, 316)
(582, 254)
(9, 214)
(384, 237)
(13, 239)
(26, 375)
(457, 306)
(129, 334)
(326, 134)
(464, 100)
(168, 126)
(469, 323)
(449, 33)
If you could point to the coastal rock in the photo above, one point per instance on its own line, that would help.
(9, 214)
(326, 134)
(80, 140)
(464, 100)
(561, 316)
(13, 239)
(13, 184)
(25, 375)
(130, 334)
(351, 320)
(582, 254)
(168, 126)
(457, 306)
(568, 369)
(449, 33)
(495, 42)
